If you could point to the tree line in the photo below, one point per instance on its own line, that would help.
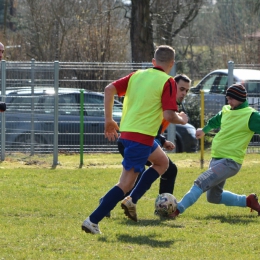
(205, 34)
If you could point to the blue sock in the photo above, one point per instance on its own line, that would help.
(189, 198)
(108, 202)
(231, 199)
(144, 184)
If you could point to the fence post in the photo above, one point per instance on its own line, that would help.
(202, 102)
(3, 82)
(32, 106)
(230, 73)
(171, 130)
(81, 125)
(56, 115)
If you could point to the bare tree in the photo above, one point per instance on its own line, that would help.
(75, 30)
(236, 27)
(141, 33)
(170, 17)
(158, 22)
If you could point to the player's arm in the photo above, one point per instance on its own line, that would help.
(118, 87)
(174, 117)
(213, 123)
(110, 92)
(111, 126)
(254, 122)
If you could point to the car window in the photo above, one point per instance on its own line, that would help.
(68, 104)
(253, 87)
(21, 103)
(220, 84)
(207, 83)
(94, 106)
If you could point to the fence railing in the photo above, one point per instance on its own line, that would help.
(38, 121)
(39, 115)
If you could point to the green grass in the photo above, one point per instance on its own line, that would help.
(42, 210)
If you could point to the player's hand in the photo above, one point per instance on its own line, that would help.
(199, 133)
(184, 117)
(111, 128)
(168, 145)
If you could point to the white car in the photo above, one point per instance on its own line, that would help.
(215, 85)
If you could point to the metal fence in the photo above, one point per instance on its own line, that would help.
(33, 76)
(39, 121)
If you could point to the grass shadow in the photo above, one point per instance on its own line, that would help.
(145, 240)
(231, 219)
(152, 222)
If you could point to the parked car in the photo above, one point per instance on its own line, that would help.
(27, 113)
(215, 85)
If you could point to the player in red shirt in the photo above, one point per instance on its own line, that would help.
(149, 95)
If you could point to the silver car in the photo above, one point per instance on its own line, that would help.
(30, 119)
(215, 85)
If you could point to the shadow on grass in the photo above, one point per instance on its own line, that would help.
(153, 222)
(232, 219)
(151, 239)
(145, 240)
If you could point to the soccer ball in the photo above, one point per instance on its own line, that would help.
(165, 204)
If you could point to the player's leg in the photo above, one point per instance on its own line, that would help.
(121, 149)
(218, 172)
(217, 195)
(135, 157)
(222, 169)
(159, 166)
(232, 199)
(109, 201)
(167, 180)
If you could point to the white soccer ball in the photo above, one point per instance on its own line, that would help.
(165, 204)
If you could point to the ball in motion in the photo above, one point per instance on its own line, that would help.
(165, 204)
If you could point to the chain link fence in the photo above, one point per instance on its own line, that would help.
(36, 91)
(39, 121)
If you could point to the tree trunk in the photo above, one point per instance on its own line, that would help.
(141, 32)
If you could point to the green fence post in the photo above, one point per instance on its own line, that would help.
(81, 125)
(56, 114)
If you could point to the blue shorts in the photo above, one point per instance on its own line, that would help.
(136, 154)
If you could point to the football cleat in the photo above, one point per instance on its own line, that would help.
(252, 202)
(90, 227)
(129, 208)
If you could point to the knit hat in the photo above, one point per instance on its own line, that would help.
(237, 91)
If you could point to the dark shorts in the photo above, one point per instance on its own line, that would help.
(136, 154)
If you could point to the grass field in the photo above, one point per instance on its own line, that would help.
(42, 209)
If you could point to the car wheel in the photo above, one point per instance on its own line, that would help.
(23, 144)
